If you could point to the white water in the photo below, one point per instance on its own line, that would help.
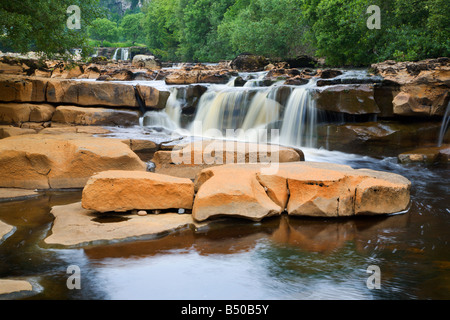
(124, 54)
(299, 122)
(169, 118)
(444, 127)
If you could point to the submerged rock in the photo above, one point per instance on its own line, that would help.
(314, 189)
(74, 225)
(8, 286)
(426, 155)
(4, 230)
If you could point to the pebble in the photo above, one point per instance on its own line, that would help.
(142, 213)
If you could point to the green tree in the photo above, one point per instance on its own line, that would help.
(162, 26)
(198, 35)
(132, 26)
(41, 25)
(103, 29)
(272, 28)
(410, 30)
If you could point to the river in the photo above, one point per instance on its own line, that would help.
(279, 258)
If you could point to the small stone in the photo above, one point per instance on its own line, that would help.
(181, 211)
(142, 213)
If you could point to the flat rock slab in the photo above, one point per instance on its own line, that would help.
(74, 226)
(122, 191)
(61, 161)
(10, 131)
(300, 188)
(10, 194)
(95, 116)
(4, 230)
(426, 155)
(14, 286)
(187, 160)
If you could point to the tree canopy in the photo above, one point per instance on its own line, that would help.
(212, 30)
(41, 25)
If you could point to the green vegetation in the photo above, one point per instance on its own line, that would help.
(41, 25)
(212, 30)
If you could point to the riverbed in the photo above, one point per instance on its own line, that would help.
(278, 258)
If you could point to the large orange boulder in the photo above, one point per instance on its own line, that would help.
(300, 188)
(122, 191)
(61, 161)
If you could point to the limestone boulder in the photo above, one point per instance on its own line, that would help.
(422, 86)
(187, 160)
(350, 99)
(233, 191)
(146, 61)
(22, 89)
(17, 113)
(109, 94)
(249, 62)
(95, 116)
(5, 229)
(121, 191)
(300, 188)
(61, 161)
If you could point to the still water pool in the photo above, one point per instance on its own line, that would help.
(279, 258)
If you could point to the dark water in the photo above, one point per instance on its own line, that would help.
(279, 258)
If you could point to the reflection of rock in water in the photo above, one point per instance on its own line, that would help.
(233, 236)
(314, 235)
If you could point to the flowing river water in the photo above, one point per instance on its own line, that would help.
(278, 258)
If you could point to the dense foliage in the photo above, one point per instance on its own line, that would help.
(41, 25)
(335, 29)
(211, 30)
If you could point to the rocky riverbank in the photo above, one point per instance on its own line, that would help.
(56, 123)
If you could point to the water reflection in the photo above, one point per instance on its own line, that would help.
(278, 258)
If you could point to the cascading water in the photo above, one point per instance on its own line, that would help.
(245, 110)
(169, 118)
(300, 119)
(444, 127)
(115, 54)
(251, 107)
(124, 54)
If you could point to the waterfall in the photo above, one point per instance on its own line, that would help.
(444, 127)
(124, 54)
(169, 118)
(115, 54)
(222, 107)
(300, 119)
